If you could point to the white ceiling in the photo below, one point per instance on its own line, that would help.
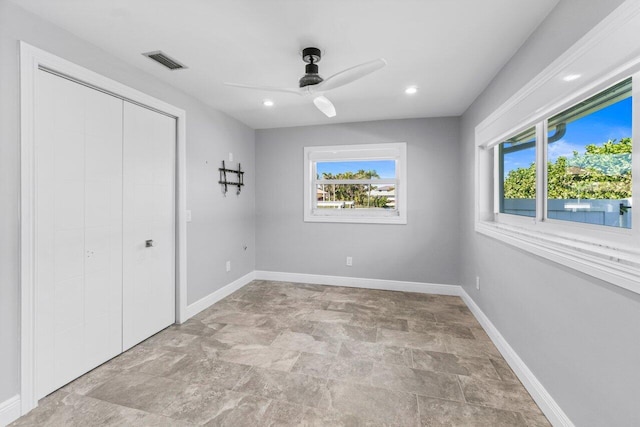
(450, 49)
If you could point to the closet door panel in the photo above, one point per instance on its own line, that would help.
(78, 285)
(103, 227)
(103, 232)
(149, 271)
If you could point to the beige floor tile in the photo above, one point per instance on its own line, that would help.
(205, 371)
(376, 352)
(160, 365)
(298, 341)
(328, 316)
(289, 387)
(197, 327)
(397, 356)
(465, 347)
(74, 410)
(416, 381)
(92, 379)
(362, 350)
(352, 370)
(437, 412)
(236, 334)
(219, 407)
(141, 391)
(478, 367)
(536, 420)
(283, 414)
(316, 365)
(411, 339)
(371, 403)
(238, 318)
(260, 356)
(322, 418)
(426, 327)
(503, 369)
(498, 394)
(170, 339)
(458, 315)
(342, 332)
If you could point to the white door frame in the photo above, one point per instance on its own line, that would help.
(32, 59)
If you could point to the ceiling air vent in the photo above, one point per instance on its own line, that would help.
(162, 58)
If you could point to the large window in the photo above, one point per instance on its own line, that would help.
(588, 177)
(589, 160)
(563, 181)
(356, 183)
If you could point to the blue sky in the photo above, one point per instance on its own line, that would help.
(613, 122)
(385, 168)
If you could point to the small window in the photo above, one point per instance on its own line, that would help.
(517, 169)
(356, 183)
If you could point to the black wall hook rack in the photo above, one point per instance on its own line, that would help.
(223, 178)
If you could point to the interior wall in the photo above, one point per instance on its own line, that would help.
(577, 334)
(221, 226)
(423, 250)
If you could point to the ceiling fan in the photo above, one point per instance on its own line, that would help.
(312, 85)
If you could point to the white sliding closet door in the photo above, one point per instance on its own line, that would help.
(149, 223)
(78, 207)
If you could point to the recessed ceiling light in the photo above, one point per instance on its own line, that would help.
(411, 90)
(267, 103)
(571, 77)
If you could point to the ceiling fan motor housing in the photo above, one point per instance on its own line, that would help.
(311, 55)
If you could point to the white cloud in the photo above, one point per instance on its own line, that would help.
(562, 148)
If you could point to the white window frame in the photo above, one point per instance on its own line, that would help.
(602, 58)
(396, 151)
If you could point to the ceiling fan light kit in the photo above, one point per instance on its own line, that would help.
(311, 55)
(313, 85)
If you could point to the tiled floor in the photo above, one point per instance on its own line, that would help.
(278, 353)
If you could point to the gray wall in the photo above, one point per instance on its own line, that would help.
(220, 227)
(424, 250)
(578, 335)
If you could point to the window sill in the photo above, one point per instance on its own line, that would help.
(355, 219)
(618, 266)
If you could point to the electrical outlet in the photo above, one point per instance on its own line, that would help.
(231, 157)
(349, 261)
(188, 216)
(228, 266)
(478, 282)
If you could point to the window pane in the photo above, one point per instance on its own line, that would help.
(589, 160)
(357, 169)
(517, 182)
(355, 196)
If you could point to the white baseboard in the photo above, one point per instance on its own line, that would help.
(214, 297)
(547, 404)
(10, 410)
(356, 282)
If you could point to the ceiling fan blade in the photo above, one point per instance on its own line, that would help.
(266, 88)
(350, 74)
(325, 106)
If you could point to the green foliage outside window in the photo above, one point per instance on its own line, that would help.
(602, 172)
(360, 194)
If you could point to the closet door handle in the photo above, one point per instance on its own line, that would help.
(149, 244)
